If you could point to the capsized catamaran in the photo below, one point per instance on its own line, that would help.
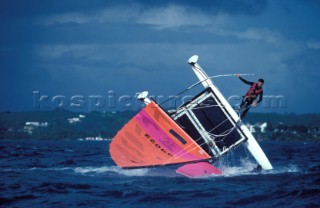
(197, 134)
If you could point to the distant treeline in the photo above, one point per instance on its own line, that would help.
(64, 124)
(13, 124)
(289, 119)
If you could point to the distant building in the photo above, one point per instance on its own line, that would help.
(257, 127)
(251, 128)
(38, 124)
(30, 126)
(73, 120)
(263, 127)
(76, 119)
(28, 129)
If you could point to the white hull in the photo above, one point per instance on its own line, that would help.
(251, 144)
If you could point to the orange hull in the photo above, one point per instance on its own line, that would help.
(152, 138)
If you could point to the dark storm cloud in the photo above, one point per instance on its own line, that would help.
(17, 9)
(20, 20)
(248, 7)
(87, 47)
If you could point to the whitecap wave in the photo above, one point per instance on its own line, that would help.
(248, 167)
(290, 168)
(111, 169)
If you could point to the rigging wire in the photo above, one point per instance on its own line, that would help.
(179, 155)
(205, 106)
(246, 151)
(212, 136)
(199, 82)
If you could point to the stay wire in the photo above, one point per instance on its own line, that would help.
(199, 82)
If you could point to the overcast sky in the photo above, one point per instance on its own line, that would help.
(85, 48)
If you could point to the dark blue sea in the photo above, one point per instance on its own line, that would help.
(82, 174)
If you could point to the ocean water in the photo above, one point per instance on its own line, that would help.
(82, 174)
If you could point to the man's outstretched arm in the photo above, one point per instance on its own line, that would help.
(245, 81)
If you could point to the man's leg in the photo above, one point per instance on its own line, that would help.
(243, 102)
(243, 114)
(247, 107)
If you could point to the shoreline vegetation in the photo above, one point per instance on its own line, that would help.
(61, 124)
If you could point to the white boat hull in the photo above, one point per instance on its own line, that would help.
(251, 143)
